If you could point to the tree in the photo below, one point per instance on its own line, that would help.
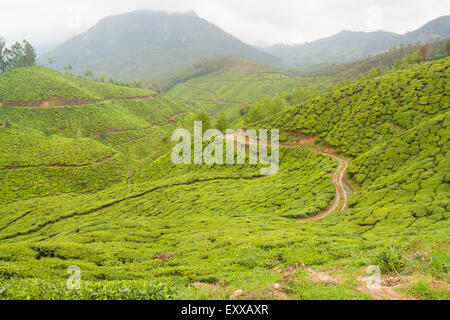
(19, 55)
(222, 122)
(2, 57)
(68, 68)
(192, 117)
(50, 61)
(425, 50)
(205, 119)
(30, 54)
(88, 74)
(415, 58)
(373, 73)
(447, 46)
(397, 65)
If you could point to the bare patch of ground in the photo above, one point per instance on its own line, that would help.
(389, 288)
(322, 277)
(164, 256)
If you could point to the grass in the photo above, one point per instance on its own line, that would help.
(425, 290)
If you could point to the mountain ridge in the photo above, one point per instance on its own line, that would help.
(142, 43)
(348, 46)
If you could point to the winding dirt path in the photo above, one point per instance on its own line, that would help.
(341, 192)
(341, 200)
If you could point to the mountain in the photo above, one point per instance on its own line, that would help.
(383, 61)
(345, 46)
(437, 29)
(148, 44)
(349, 46)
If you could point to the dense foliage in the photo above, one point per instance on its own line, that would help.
(19, 55)
(170, 231)
(357, 117)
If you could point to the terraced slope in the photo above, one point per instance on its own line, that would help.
(396, 129)
(228, 84)
(76, 148)
(51, 88)
(33, 164)
(358, 117)
(187, 231)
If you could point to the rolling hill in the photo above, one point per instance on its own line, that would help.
(229, 85)
(68, 134)
(349, 46)
(50, 87)
(204, 231)
(147, 45)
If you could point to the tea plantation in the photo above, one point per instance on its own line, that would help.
(94, 186)
(51, 85)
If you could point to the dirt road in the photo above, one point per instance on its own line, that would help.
(341, 200)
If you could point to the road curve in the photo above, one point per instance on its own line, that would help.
(341, 200)
(341, 192)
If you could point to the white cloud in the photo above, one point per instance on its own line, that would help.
(253, 21)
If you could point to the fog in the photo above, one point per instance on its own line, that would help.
(260, 22)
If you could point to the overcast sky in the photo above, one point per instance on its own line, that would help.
(253, 21)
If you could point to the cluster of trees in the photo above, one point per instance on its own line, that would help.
(19, 55)
(221, 122)
(90, 75)
(269, 106)
(421, 54)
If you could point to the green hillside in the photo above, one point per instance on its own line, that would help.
(57, 88)
(356, 118)
(77, 148)
(383, 62)
(229, 85)
(170, 231)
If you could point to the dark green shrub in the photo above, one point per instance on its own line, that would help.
(391, 259)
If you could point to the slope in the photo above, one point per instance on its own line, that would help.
(69, 145)
(148, 44)
(190, 231)
(229, 85)
(357, 117)
(35, 86)
(382, 61)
